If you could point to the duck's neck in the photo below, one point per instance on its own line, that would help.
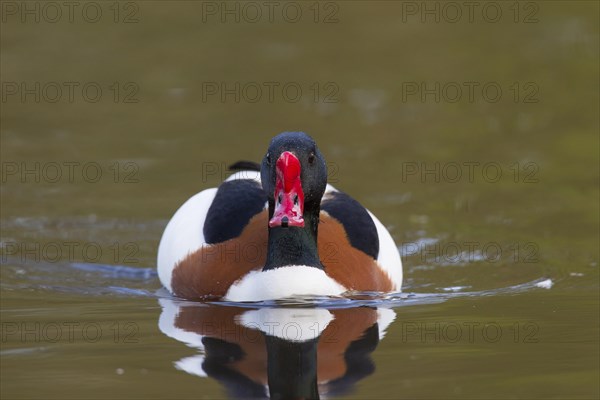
(293, 245)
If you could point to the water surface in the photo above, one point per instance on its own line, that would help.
(501, 269)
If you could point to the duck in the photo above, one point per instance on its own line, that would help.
(276, 230)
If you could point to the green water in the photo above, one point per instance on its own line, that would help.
(483, 192)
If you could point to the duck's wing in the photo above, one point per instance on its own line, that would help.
(363, 231)
(210, 218)
(236, 201)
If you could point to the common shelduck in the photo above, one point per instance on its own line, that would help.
(276, 230)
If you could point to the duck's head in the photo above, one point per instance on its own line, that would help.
(294, 176)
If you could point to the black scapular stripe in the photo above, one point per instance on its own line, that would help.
(235, 203)
(244, 165)
(357, 222)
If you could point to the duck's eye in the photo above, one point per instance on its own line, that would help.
(311, 158)
(268, 158)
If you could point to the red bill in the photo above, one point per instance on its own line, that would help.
(289, 197)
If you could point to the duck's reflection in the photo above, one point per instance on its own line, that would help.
(281, 353)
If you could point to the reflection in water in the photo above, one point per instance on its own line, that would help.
(278, 352)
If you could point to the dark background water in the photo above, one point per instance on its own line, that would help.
(474, 140)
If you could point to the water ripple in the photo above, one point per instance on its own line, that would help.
(117, 280)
